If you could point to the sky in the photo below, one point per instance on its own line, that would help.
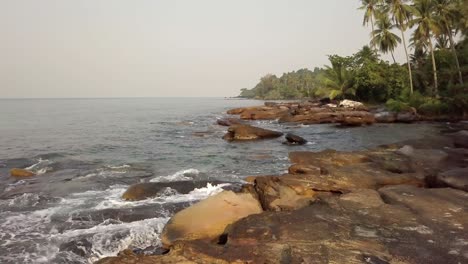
(167, 48)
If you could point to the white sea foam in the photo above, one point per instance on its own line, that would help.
(183, 175)
(113, 199)
(119, 167)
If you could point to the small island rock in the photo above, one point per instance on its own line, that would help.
(21, 173)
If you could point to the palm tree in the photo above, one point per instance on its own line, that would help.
(371, 8)
(399, 11)
(384, 38)
(338, 78)
(425, 22)
(447, 13)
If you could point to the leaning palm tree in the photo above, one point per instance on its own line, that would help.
(384, 38)
(447, 15)
(426, 25)
(399, 11)
(371, 8)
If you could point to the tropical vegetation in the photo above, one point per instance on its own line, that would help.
(432, 79)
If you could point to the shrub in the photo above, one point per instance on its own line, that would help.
(396, 106)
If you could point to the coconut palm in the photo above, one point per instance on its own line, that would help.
(338, 79)
(399, 11)
(371, 8)
(447, 14)
(384, 38)
(426, 25)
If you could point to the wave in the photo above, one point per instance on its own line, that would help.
(40, 167)
(113, 197)
(183, 175)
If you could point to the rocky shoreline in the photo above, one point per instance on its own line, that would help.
(399, 203)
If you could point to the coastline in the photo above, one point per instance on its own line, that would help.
(398, 203)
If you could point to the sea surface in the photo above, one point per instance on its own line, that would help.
(86, 153)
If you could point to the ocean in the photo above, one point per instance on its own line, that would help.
(87, 152)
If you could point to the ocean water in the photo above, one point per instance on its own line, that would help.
(86, 152)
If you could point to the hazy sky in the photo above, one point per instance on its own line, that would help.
(117, 48)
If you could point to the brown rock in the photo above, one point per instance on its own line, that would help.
(21, 173)
(327, 157)
(461, 139)
(247, 132)
(207, 219)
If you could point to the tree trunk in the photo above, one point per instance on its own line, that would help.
(434, 68)
(407, 59)
(373, 34)
(452, 46)
(393, 57)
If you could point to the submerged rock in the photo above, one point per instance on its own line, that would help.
(247, 132)
(21, 173)
(294, 140)
(208, 219)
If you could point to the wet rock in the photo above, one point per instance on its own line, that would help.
(228, 121)
(327, 157)
(247, 132)
(357, 118)
(21, 173)
(265, 113)
(385, 117)
(407, 116)
(207, 219)
(455, 178)
(461, 139)
(81, 247)
(294, 140)
(141, 191)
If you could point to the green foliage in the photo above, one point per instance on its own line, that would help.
(396, 105)
(433, 107)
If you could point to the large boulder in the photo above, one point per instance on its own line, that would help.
(357, 118)
(21, 173)
(455, 178)
(385, 117)
(208, 219)
(247, 132)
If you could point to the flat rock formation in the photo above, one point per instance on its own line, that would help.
(402, 203)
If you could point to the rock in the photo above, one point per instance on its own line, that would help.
(352, 104)
(277, 195)
(409, 225)
(407, 116)
(305, 169)
(265, 113)
(270, 104)
(21, 173)
(327, 157)
(247, 132)
(460, 139)
(228, 121)
(357, 118)
(455, 178)
(141, 191)
(406, 150)
(207, 219)
(294, 139)
(385, 117)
